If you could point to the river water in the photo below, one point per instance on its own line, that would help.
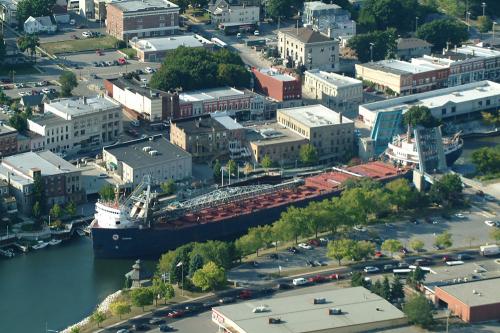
(59, 286)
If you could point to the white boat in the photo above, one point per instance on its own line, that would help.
(55, 242)
(40, 245)
(80, 232)
(7, 253)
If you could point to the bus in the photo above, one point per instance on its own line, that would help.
(218, 42)
(401, 272)
(234, 28)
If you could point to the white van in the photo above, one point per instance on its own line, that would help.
(299, 281)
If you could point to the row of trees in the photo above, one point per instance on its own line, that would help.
(193, 68)
(487, 160)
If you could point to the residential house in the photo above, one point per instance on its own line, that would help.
(227, 11)
(40, 25)
(329, 19)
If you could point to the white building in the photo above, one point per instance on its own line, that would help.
(154, 156)
(339, 92)
(329, 19)
(309, 48)
(463, 102)
(223, 11)
(37, 25)
(84, 124)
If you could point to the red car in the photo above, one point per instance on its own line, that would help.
(333, 276)
(314, 242)
(245, 294)
(316, 279)
(122, 61)
(99, 52)
(175, 314)
(378, 254)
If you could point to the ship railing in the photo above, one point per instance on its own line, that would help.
(217, 198)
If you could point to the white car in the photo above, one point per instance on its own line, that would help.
(239, 35)
(87, 34)
(256, 33)
(305, 246)
(23, 93)
(299, 281)
(46, 91)
(460, 215)
(371, 269)
(490, 223)
(359, 228)
(72, 22)
(149, 70)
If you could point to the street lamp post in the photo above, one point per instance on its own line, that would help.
(416, 24)
(371, 52)
(484, 8)
(468, 17)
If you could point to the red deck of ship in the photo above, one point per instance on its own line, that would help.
(314, 186)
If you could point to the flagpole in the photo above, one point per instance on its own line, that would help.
(182, 278)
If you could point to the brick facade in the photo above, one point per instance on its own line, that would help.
(271, 84)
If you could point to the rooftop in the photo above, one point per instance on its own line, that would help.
(207, 123)
(436, 98)
(143, 5)
(273, 72)
(410, 43)
(134, 87)
(314, 115)
(133, 153)
(320, 5)
(475, 293)
(166, 43)
(49, 163)
(306, 35)
(209, 94)
(399, 67)
(298, 313)
(48, 119)
(6, 130)
(73, 107)
(333, 78)
(271, 133)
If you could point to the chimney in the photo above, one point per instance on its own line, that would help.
(340, 117)
(84, 100)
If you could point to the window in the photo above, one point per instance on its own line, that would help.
(443, 111)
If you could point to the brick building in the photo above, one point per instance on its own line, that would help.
(141, 18)
(207, 136)
(279, 86)
(8, 140)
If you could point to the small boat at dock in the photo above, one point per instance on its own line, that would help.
(40, 245)
(54, 241)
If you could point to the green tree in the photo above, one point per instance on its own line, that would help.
(217, 171)
(415, 278)
(495, 234)
(162, 289)
(391, 245)
(233, 75)
(70, 208)
(35, 8)
(29, 43)
(283, 8)
(420, 115)
(251, 242)
(318, 216)
(443, 240)
(385, 291)
(376, 288)
(141, 297)
(195, 263)
(294, 223)
(68, 82)
(107, 193)
(402, 195)
(75, 329)
(19, 122)
(168, 187)
(384, 45)
(98, 317)
(397, 291)
(119, 308)
(358, 280)
(308, 154)
(37, 210)
(165, 262)
(447, 190)
(487, 160)
(231, 167)
(266, 162)
(383, 14)
(416, 244)
(484, 23)
(55, 211)
(38, 191)
(341, 249)
(209, 277)
(443, 31)
(491, 117)
(363, 250)
(221, 253)
(419, 311)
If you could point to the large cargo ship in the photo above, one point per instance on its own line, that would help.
(141, 227)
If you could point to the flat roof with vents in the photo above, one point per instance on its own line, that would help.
(475, 293)
(314, 115)
(361, 310)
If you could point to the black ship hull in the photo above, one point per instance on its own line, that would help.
(453, 156)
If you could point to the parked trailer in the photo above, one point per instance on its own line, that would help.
(489, 250)
(218, 42)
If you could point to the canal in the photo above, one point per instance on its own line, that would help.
(60, 286)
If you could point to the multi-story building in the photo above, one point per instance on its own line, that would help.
(338, 92)
(240, 104)
(402, 77)
(153, 156)
(208, 136)
(8, 140)
(144, 103)
(228, 11)
(141, 18)
(328, 131)
(155, 49)
(70, 125)
(329, 19)
(274, 140)
(276, 84)
(309, 48)
(408, 48)
(61, 180)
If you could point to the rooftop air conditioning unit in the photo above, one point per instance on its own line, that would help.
(153, 152)
(260, 309)
(146, 149)
(319, 300)
(274, 321)
(334, 311)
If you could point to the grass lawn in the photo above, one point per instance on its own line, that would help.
(131, 53)
(198, 15)
(86, 44)
(19, 70)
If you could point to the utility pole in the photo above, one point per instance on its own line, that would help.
(371, 52)
(484, 8)
(493, 31)
(468, 25)
(416, 24)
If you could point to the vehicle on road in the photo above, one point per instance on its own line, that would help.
(192, 308)
(388, 267)
(490, 223)
(122, 61)
(273, 256)
(403, 264)
(415, 221)
(464, 256)
(123, 330)
(359, 228)
(371, 269)
(72, 22)
(140, 327)
(109, 63)
(423, 262)
(284, 286)
(299, 282)
(256, 33)
(239, 35)
(293, 250)
(314, 242)
(166, 328)
(459, 215)
(447, 258)
(316, 279)
(175, 314)
(86, 34)
(210, 304)
(155, 321)
(401, 271)
(489, 250)
(245, 294)
(305, 246)
(225, 300)
(334, 276)
(99, 52)
(149, 70)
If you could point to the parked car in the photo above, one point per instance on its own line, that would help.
(225, 300)
(46, 91)
(86, 34)
(273, 256)
(210, 304)
(166, 328)
(299, 282)
(122, 61)
(415, 221)
(316, 279)
(245, 294)
(72, 22)
(305, 246)
(404, 250)
(192, 308)
(388, 267)
(175, 314)
(423, 262)
(293, 250)
(256, 33)
(334, 276)
(464, 256)
(140, 327)
(403, 264)
(371, 269)
(490, 223)
(284, 286)
(314, 242)
(359, 228)
(123, 330)
(447, 258)
(460, 215)
(155, 321)
(149, 70)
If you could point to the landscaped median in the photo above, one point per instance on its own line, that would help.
(80, 45)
